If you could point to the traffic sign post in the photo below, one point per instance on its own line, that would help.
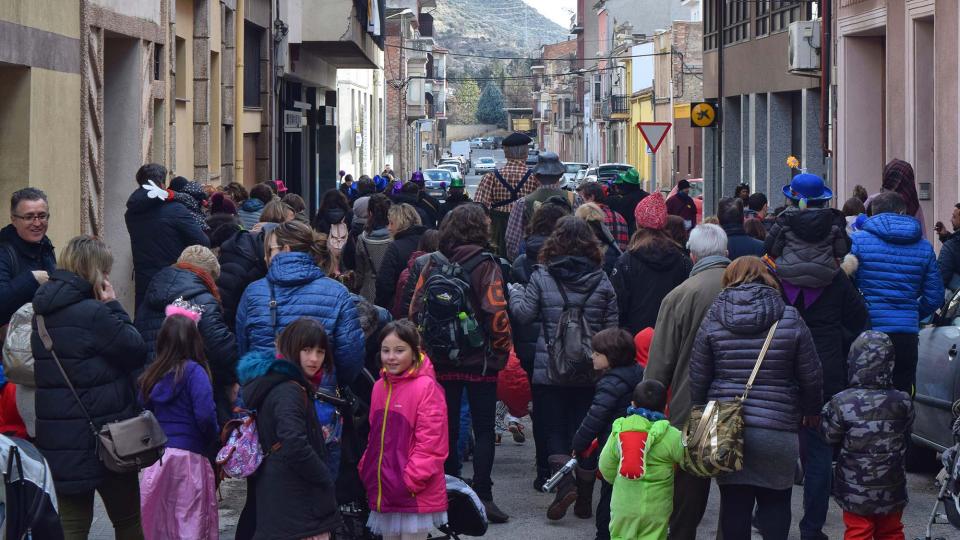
(654, 133)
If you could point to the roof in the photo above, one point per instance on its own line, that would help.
(563, 49)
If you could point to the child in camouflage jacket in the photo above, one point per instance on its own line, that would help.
(871, 421)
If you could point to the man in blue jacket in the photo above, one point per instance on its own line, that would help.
(899, 278)
(160, 228)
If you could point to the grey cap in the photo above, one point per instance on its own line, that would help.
(548, 164)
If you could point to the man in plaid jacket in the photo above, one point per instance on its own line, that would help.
(500, 189)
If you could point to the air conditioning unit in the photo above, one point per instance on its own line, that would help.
(804, 50)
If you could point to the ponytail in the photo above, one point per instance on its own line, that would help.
(301, 238)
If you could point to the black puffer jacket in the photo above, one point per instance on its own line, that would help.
(642, 278)
(625, 202)
(808, 245)
(871, 421)
(159, 231)
(219, 343)
(17, 284)
(525, 335)
(610, 401)
(241, 263)
(99, 348)
(395, 262)
(295, 490)
(540, 302)
(728, 344)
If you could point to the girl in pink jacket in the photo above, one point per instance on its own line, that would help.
(402, 468)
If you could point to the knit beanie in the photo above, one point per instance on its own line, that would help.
(221, 204)
(651, 212)
(202, 257)
(642, 343)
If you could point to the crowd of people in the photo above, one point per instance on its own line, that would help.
(375, 344)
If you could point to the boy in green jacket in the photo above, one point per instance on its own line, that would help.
(639, 460)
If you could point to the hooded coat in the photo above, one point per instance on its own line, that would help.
(185, 409)
(610, 401)
(301, 289)
(249, 212)
(100, 349)
(642, 278)
(402, 468)
(808, 245)
(371, 252)
(871, 422)
(525, 335)
(241, 263)
(17, 284)
(159, 232)
(898, 273)
(788, 384)
(394, 262)
(540, 302)
(219, 343)
(294, 488)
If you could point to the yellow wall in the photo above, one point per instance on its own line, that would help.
(641, 110)
(57, 16)
(183, 164)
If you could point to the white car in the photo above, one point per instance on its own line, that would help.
(453, 168)
(570, 178)
(485, 164)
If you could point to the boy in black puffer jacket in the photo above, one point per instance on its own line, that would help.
(871, 421)
(614, 354)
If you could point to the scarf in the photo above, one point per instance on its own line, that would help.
(204, 276)
(709, 262)
(898, 176)
(652, 416)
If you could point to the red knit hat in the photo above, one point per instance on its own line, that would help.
(642, 342)
(221, 204)
(651, 212)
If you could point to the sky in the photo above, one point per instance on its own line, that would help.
(556, 10)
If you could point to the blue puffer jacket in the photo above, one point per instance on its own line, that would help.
(301, 290)
(898, 273)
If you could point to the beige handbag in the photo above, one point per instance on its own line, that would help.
(125, 445)
(713, 435)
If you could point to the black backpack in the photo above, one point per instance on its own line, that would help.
(569, 351)
(448, 321)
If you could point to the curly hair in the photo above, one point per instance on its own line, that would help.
(571, 236)
(467, 224)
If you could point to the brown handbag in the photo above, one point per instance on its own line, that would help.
(123, 445)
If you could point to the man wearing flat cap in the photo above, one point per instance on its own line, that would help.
(502, 188)
(548, 172)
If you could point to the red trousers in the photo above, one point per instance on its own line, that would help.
(883, 527)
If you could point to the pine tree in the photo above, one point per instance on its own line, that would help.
(464, 105)
(490, 107)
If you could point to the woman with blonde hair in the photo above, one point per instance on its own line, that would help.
(787, 389)
(275, 212)
(99, 349)
(595, 217)
(405, 228)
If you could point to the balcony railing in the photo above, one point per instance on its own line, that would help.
(614, 104)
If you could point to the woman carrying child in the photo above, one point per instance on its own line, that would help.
(402, 468)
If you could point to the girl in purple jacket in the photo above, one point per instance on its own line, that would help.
(178, 493)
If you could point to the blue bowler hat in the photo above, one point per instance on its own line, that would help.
(807, 187)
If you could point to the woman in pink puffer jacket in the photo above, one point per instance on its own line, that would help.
(402, 469)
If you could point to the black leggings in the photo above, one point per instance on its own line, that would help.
(736, 511)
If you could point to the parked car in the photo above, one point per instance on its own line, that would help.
(938, 379)
(476, 143)
(436, 181)
(532, 157)
(569, 179)
(497, 141)
(453, 168)
(696, 191)
(484, 165)
(457, 162)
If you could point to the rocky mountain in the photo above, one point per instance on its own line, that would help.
(491, 28)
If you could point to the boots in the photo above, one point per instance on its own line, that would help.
(566, 489)
(585, 478)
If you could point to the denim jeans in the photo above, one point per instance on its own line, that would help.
(482, 397)
(817, 458)
(121, 497)
(465, 427)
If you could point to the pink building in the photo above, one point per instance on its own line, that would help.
(897, 97)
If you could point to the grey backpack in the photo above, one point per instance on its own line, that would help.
(569, 351)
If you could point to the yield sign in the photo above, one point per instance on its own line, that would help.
(654, 133)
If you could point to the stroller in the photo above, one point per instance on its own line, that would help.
(28, 504)
(949, 480)
(465, 516)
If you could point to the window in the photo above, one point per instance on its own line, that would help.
(597, 89)
(252, 37)
(736, 18)
(776, 15)
(182, 74)
(157, 61)
(710, 32)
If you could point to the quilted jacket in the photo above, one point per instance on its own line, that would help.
(402, 468)
(301, 290)
(898, 273)
(808, 245)
(540, 301)
(610, 401)
(726, 348)
(871, 422)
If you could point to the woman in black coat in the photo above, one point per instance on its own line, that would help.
(99, 349)
(335, 209)
(242, 261)
(406, 229)
(192, 279)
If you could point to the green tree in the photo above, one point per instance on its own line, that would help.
(464, 106)
(490, 107)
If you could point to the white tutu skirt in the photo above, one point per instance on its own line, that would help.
(397, 523)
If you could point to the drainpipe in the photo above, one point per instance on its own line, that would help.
(826, 72)
(718, 140)
(238, 93)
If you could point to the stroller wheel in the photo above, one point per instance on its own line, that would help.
(952, 506)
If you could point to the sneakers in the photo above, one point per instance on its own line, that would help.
(516, 429)
(498, 440)
(494, 514)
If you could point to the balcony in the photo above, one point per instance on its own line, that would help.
(615, 107)
(338, 33)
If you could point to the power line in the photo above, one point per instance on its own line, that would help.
(532, 59)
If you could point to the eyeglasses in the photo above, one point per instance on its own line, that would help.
(30, 218)
(275, 248)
